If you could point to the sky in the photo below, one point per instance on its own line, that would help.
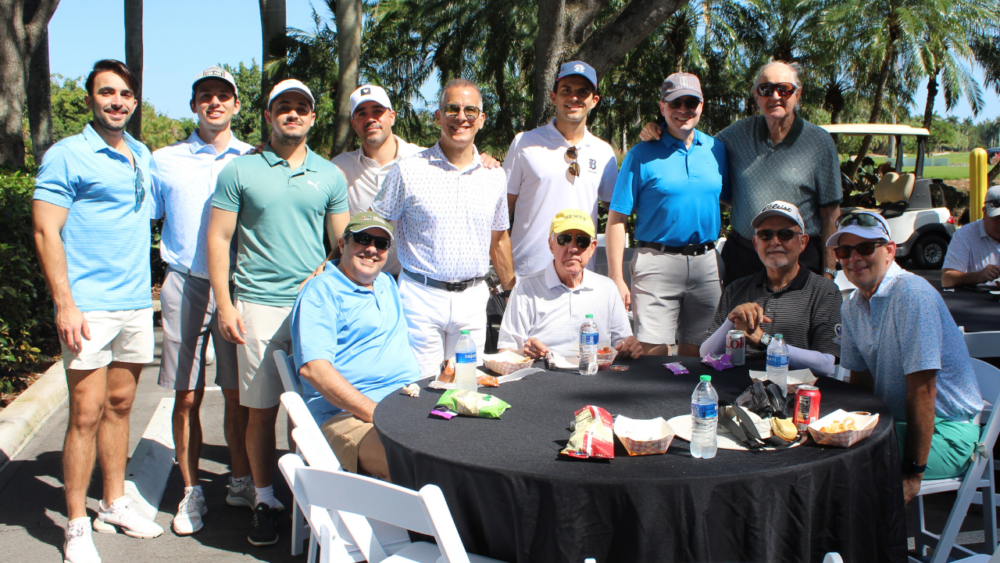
(183, 37)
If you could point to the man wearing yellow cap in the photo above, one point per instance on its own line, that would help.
(547, 308)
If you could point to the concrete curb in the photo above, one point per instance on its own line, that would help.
(25, 416)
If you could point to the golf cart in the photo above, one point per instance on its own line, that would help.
(914, 206)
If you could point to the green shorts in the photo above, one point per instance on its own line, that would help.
(952, 446)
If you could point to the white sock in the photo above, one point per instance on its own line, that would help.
(196, 488)
(81, 521)
(238, 482)
(265, 495)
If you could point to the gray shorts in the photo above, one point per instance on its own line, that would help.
(189, 317)
(674, 297)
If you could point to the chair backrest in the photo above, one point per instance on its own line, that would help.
(894, 187)
(983, 344)
(286, 370)
(989, 387)
(307, 436)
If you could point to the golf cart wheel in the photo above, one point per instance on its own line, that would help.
(929, 251)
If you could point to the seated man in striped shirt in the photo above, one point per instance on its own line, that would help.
(784, 298)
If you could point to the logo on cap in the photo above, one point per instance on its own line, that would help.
(777, 206)
(366, 91)
(212, 72)
(684, 82)
(578, 68)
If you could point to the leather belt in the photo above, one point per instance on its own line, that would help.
(447, 286)
(687, 250)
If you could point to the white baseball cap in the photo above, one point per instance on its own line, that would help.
(216, 73)
(992, 202)
(290, 85)
(858, 223)
(369, 93)
(781, 209)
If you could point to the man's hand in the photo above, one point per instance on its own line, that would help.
(748, 317)
(231, 325)
(651, 132)
(625, 293)
(535, 349)
(489, 162)
(989, 273)
(911, 486)
(72, 327)
(629, 348)
(319, 270)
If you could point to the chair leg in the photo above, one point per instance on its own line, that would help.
(958, 511)
(298, 529)
(990, 511)
(313, 549)
(921, 535)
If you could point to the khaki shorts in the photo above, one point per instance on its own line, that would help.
(268, 330)
(115, 336)
(344, 432)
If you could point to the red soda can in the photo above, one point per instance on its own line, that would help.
(806, 406)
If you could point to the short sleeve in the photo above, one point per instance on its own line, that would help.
(719, 150)
(338, 199)
(958, 258)
(850, 355)
(54, 183)
(159, 208)
(228, 193)
(516, 324)
(825, 317)
(501, 217)
(627, 184)
(608, 178)
(513, 166)
(391, 198)
(828, 187)
(919, 325)
(314, 326)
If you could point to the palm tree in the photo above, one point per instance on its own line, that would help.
(349, 29)
(133, 58)
(272, 31)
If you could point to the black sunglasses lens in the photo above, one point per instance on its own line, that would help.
(365, 239)
(765, 234)
(563, 239)
(583, 241)
(786, 234)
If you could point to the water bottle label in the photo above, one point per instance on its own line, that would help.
(467, 358)
(777, 361)
(588, 338)
(699, 410)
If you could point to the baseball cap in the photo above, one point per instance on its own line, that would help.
(992, 202)
(570, 219)
(865, 224)
(779, 208)
(680, 84)
(369, 93)
(290, 85)
(217, 73)
(367, 220)
(577, 67)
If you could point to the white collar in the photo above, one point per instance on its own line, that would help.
(552, 280)
(557, 135)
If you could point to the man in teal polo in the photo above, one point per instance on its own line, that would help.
(276, 202)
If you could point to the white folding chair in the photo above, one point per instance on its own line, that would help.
(833, 557)
(978, 476)
(983, 344)
(286, 370)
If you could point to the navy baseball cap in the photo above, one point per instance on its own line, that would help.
(577, 67)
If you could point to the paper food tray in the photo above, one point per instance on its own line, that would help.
(506, 362)
(865, 422)
(644, 437)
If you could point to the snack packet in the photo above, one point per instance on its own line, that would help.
(592, 435)
(469, 403)
(717, 362)
(676, 367)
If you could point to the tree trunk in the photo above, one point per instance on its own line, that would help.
(133, 58)
(39, 90)
(883, 80)
(349, 28)
(272, 28)
(17, 42)
(549, 44)
(932, 92)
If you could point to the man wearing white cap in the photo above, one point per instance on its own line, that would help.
(556, 166)
(277, 202)
(784, 298)
(974, 252)
(183, 184)
(901, 343)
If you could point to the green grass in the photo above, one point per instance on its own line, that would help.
(942, 172)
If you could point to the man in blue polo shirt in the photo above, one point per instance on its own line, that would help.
(674, 185)
(351, 344)
(91, 213)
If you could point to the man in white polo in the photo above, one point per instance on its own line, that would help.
(974, 252)
(452, 220)
(556, 166)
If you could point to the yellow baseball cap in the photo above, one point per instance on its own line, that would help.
(572, 219)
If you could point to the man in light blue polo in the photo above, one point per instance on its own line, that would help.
(351, 344)
(91, 214)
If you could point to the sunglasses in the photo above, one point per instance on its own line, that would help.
(472, 113)
(140, 191)
(862, 220)
(582, 241)
(366, 240)
(784, 235)
(992, 204)
(784, 89)
(574, 166)
(689, 102)
(844, 251)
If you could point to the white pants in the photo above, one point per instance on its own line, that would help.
(436, 318)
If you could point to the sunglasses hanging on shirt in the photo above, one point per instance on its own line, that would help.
(574, 166)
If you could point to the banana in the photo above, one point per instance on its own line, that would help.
(784, 428)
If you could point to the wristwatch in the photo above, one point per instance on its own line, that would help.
(911, 468)
(830, 271)
(765, 339)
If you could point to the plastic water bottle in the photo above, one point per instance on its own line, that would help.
(588, 346)
(465, 363)
(777, 358)
(704, 419)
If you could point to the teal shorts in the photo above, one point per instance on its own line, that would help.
(952, 446)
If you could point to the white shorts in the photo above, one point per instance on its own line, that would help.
(115, 336)
(436, 318)
(268, 329)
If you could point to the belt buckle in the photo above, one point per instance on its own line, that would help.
(693, 250)
(458, 286)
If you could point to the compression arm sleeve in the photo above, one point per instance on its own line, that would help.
(717, 342)
(818, 362)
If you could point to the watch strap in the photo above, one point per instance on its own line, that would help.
(765, 339)
(830, 271)
(911, 468)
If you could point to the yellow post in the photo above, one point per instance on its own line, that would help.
(978, 168)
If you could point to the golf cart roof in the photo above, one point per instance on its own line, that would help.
(875, 129)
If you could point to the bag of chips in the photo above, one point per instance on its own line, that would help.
(593, 435)
(470, 403)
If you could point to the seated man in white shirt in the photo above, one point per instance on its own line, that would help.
(974, 252)
(547, 308)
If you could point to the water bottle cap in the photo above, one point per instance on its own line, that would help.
(465, 332)
(706, 378)
(590, 316)
(779, 335)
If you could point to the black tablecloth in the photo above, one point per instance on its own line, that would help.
(976, 311)
(514, 498)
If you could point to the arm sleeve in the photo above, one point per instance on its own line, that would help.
(54, 184)
(391, 198)
(501, 217)
(314, 326)
(228, 194)
(957, 257)
(512, 166)
(516, 324)
(609, 178)
(338, 199)
(824, 318)
(156, 190)
(828, 188)
(818, 362)
(717, 342)
(850, 356)
(627, 185)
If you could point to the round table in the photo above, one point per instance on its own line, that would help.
(514, 498)
(977, 311)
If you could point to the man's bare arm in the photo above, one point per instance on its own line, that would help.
(920, 398)
(503, 261)
(335, 225)
(49, 220)
(511, 202)
(829, 216)
(615, 247)
(334, 388)
(221, 226)
(954, 278)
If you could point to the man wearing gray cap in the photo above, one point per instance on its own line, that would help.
(974, 252)
(674, 185)
(184, 182)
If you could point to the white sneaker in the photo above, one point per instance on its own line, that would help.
(79, 545)
(246, 496)
(122, 514)
(189, 513)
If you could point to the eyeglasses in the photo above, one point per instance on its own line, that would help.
(991, 204)
(574, 166)
(844, 251)
(784, 235)
(862, 220)
(582, 241)
(784, 89)
(689, 102)
(471, 112)
(140, 190)
(366, 239)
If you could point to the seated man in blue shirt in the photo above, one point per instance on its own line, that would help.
(900, 341)
(350, 344)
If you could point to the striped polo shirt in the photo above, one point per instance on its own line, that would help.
(806, 312)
